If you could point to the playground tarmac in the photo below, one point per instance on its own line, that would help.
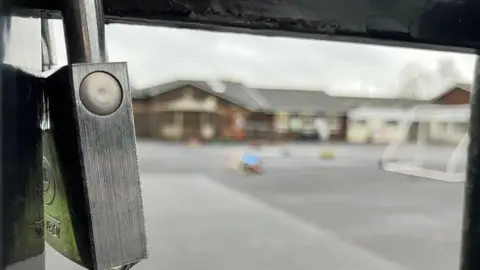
(303, 213)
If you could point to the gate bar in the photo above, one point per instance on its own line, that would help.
(470, 252)
(84, 30)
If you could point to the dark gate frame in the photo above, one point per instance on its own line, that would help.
(448, 25)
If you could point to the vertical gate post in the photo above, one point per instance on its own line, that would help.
(470, 252)
(84, 29)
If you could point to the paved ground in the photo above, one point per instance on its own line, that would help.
(303, 213)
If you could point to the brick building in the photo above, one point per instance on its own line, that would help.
(458, 94)
(183, 109)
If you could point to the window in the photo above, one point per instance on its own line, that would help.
(281, 122)
(308, 122)
(333, 123)
(296, 123)
(391, 123)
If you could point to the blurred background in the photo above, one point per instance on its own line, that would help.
(363, 148)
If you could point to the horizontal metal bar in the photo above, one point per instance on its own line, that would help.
(443, 25)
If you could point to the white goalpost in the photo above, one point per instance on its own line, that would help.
(431, 142)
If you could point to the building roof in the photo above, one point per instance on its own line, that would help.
(301, 100)
(233, 92)
(291, 100)
(280, 99)
(381, 102)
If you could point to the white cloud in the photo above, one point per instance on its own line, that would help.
(156, 55)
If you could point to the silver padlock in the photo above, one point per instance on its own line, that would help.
(92, 195)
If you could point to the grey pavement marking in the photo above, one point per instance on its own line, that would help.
(414, 221)
(427, 243)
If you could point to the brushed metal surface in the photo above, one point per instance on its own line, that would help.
(111, 172)
(102, 156)
(84, 31)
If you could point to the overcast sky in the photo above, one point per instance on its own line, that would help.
(156, 55)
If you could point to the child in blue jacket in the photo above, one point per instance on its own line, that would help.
(250, 160)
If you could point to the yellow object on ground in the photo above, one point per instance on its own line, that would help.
(327, 154)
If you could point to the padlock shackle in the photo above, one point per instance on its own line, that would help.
(84, 30)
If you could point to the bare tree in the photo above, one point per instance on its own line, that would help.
(414, 81)
(447, 72)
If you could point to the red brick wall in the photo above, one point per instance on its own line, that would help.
(225, 113)
(456, 96)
